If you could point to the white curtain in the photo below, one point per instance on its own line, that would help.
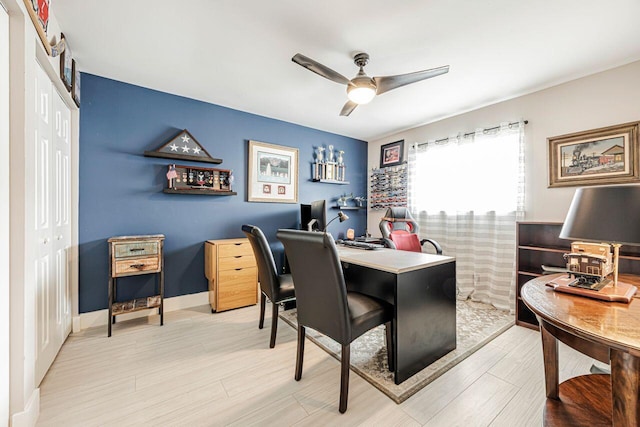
(467, 192)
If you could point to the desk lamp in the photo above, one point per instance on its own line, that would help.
(341, 216)
(605, 214)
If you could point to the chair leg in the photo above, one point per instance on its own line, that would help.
(274, 324)
(389, 334)
(344, 377)
(300, 355)
(263, 301)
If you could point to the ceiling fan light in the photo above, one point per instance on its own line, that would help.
(361, 95)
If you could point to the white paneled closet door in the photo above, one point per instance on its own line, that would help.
(52, 229)
(61, 211)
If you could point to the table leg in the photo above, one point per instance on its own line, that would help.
(550, 354)
(110, 306)
(161, 308)
(425, 318)
(424, 326)
(625, 384)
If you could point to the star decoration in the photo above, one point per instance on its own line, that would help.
(173, 147)
(185, 149)
(185, 138)
(196, 150)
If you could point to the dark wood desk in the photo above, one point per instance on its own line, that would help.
(422, 289)
(606, 331)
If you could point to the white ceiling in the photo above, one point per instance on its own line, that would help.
(237, 53)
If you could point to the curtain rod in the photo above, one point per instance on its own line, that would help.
(470, 133)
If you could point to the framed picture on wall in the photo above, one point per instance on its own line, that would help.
(66, 64)
(39, 13)
(273, 173)
(75, 84)
(595, 157)
(391, 154)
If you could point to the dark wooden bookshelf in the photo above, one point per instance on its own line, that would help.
(538, 244)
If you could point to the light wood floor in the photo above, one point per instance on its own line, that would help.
(203, 369)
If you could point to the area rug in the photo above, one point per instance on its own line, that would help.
(477, 324)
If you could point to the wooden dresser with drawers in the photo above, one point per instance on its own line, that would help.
(231, 270)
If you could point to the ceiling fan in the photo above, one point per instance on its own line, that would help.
(361, 89)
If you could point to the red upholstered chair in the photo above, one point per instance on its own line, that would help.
(400, 231)
(405, 241)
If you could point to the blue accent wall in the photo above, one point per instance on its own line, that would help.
(121, 190)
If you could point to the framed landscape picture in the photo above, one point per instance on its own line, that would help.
(66, 64)
(391, 154)
(273, 173)
(75, 83)
(595, 157)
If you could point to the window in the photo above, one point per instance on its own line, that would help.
(481, 172)
(467, 193)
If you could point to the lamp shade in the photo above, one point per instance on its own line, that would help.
(361, 95)
(604, 214)
(341, 216)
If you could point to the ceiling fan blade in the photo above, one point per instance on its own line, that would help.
(385, 84)
(348, 108)
(319, 69)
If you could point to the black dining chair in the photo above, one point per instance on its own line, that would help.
(277, 287)
(324, 303)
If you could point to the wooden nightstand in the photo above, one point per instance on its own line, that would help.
(232, 272)
(132, 256)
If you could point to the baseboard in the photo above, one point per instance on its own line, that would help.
(29, 416)
(76, 324)
(99, 317)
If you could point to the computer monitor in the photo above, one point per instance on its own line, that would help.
(319, 213)
(313, 217)
(305, 216)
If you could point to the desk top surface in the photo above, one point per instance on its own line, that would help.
(391, 260)
(139, 237)
(613, 324)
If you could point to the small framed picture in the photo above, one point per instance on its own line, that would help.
(75, 91)
(391, 154)
(39, 13)
(66, 64)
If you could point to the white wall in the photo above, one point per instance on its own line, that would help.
(24, 49)
(4, 216)
(603, 99)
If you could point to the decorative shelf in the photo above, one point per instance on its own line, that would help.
(136, 304)
(180, 144)
(331, 181)
(197, 180)
(200, 191)
(388, 187)
(349, 208)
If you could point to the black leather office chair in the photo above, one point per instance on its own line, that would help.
(324, 303)
(400, 231)
(278, 288)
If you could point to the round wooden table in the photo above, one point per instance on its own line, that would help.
(606, 331)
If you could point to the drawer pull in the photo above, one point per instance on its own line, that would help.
(138, 266)
(136, 249)
(238, 269)
(238, 256)
(237, 244)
